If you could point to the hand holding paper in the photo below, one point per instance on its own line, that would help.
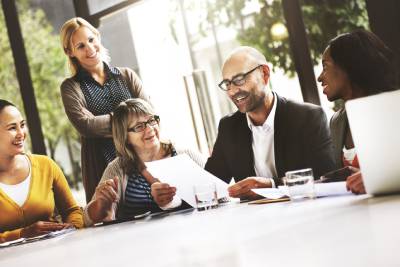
(183, 173)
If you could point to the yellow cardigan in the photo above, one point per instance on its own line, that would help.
(48, 190)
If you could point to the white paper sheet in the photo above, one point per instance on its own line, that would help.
(183, 173)
(331, 189)
(321, 190)
(271, 193)
(23, 240)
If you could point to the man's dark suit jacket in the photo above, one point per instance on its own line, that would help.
(301, 140)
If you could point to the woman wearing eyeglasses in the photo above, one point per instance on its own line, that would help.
(127, 188)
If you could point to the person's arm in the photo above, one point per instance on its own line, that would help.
(216, 163)
(163, 194)
(134, 84)
(108, 193)
(64, 200)
(242, 189)
(355, 183)
(84, 121)
(318, 140)
(35, 229)
(10, 235)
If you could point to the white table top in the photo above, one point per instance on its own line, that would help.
(335, 231)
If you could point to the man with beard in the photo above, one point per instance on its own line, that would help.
(269, 134)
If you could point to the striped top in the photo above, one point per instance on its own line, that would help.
(138, 198)
(102, 99)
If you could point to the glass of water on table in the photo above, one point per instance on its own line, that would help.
(206, 196)
(300, 184)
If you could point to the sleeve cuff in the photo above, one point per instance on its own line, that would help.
(272, 183)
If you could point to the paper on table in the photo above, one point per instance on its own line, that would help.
(23, 240)
(321, 190)
(183, 173)
(12, 242)
(271, 193)
(331, 189)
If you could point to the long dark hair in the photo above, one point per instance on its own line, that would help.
(368, 62)
(5, 103)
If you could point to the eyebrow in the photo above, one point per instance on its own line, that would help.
(233, 77)
(78, 44)
(15, 123)
(89, 36)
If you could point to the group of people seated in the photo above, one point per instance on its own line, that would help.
(120, 131)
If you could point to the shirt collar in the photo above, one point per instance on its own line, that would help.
(269, 122)
(83, 74)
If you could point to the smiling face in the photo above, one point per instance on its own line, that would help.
(251, 95)
(148, 139)
(335, 82)
(85, 47)
(12, 131)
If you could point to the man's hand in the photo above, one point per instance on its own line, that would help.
(41, 228)
(354, 182)
(243, 188)
(162, 193)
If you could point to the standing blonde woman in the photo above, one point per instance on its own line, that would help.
(31, 186)
(91, 93)
(127, 188)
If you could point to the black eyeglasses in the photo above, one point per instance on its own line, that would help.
(237, 80)
(141, 126)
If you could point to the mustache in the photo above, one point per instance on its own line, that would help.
(240, 94)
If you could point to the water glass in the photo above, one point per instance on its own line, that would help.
(206, 196)
(300, 184)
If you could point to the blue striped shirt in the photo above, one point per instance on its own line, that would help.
(138, 198)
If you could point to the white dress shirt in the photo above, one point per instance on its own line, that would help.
(263, 145)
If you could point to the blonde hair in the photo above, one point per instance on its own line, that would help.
(66, 33)
(124, 113)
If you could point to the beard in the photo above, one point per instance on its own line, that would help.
(252, 101)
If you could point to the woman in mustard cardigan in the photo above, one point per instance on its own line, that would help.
(31, 186)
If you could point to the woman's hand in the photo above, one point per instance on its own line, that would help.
(162, 193)
(105, 195)
(41, 228)
(107, 192)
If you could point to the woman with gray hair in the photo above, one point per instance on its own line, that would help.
(91, 93)
(126, 187)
